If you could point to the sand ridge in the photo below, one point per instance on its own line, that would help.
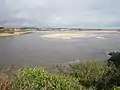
(75, 34)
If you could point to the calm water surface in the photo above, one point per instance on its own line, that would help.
(31, 49)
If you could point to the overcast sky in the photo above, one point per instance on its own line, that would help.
(60, 13)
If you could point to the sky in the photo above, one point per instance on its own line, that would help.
(60, 13)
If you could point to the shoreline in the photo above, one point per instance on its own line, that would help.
(66, 33)
(15, 33)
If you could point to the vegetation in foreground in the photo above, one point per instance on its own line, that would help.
(90, 75)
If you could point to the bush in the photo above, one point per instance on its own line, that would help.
(5, 82)
(116, 88)
(40, 79)
(111, 79)
(6, 78)
(90, 73)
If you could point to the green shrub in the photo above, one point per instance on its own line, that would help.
(111, 79)
(90, 73)
(116, 88)
(40, 79)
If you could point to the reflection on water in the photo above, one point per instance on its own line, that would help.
(31, 49)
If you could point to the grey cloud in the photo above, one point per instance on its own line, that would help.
(60, 13)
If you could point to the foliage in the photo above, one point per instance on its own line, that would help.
(40, 79)
(116, 88)
(6, 78)
(91, 73)
(115, 58)
(5, 82)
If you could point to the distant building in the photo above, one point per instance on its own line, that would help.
(1, 27)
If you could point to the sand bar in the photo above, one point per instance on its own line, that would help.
(69, 34)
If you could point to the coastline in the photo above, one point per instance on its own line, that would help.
(15, 33)
(63, 33)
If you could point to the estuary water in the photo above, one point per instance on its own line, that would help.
(34, 50)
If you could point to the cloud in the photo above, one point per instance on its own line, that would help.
(60, 13)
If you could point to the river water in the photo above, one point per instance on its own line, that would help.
(33, 50)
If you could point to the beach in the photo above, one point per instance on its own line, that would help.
(15, 33)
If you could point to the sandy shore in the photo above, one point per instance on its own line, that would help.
(63, 35)
(69, 34)
(16, 33)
